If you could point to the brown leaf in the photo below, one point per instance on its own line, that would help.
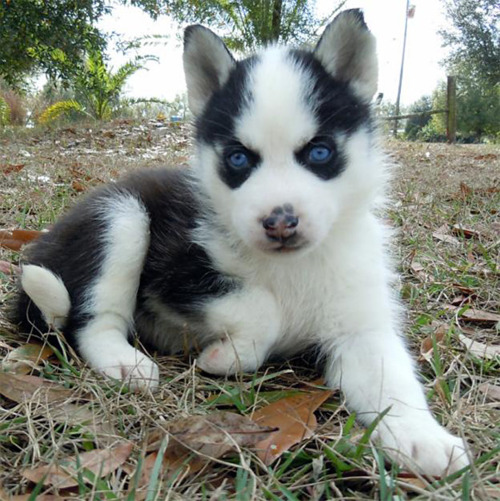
(78, 186)
(480, 349)
(412, 483)
(15, 239)
(466, 232)
(9, 168)
(8, 268)
(465, 190)
(460, 300)
(196, 440)
(20, 388)
(24, 358)
(426, 348)
(42, 497)
(294, 416)
(475, 315)
(490, 391)
(445, 238)
(64, 473)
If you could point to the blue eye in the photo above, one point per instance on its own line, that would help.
(238, 160)
(320, 154)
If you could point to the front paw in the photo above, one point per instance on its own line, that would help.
(423, 446)
(131, 366)
(226, 357)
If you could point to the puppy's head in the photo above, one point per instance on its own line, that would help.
(284, 137)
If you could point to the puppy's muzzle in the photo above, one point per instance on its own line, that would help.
(281, 225)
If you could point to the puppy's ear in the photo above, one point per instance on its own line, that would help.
(207, 64)
(347, 50)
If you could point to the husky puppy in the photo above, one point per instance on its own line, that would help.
(267, 245)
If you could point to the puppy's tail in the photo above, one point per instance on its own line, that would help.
(48, 292)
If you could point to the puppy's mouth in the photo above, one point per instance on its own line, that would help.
(286, 246)
(284, 249)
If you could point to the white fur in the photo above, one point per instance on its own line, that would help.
(103, 341)
(48, 292)
(250, 322)
(336, 291)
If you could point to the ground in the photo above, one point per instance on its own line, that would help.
(443, 207)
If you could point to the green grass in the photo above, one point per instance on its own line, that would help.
(339, 461)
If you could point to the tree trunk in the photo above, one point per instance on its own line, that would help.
(276, 20)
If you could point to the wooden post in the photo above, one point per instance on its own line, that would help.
(451, 122)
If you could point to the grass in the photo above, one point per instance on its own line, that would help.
(436, 189)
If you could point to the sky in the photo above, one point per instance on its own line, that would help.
(423, 61)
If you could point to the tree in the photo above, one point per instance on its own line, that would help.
(415, 124)
(474, 38)
(47, 35)
(478, 112)
(474, 41)
(97, 89)
(249, 24)
(52, 36)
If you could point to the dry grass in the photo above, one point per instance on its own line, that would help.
(435, 188)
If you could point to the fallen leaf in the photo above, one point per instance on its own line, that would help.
(490, 391)
(24, 358)
(294, 416)
(78, 186)
(480, 349)
(475, 315)
(412, 483)
(491, 492)
(64, 473)
(443, 237)
(427, 346)
(20, 388)
(42, 497)
(8, 268)
(460, 300)
(465, 232)
(416, 267)
(15, 239)
(196, 440)
(9, 168)
(465, 190)
(487, 156)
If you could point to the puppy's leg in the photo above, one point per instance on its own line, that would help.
(110, 300)
(249, 323)
(375, 372)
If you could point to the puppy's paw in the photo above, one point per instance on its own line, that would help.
(131, 366)
(225, 357)
(423, 446)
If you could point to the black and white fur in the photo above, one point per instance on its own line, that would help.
(267, 245)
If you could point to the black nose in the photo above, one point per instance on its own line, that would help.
(281, 224)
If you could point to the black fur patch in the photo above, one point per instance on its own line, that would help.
(337, 110)
(177, 272)
(216, 126)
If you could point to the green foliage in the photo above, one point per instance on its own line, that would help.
(53, 36)
(474, 38)
(96, 88)
(99, 88)
(415, 124)
(47, 35)
(253, 23)
(59, 109)
(478, 110)
(4, 112)
(474, 42)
